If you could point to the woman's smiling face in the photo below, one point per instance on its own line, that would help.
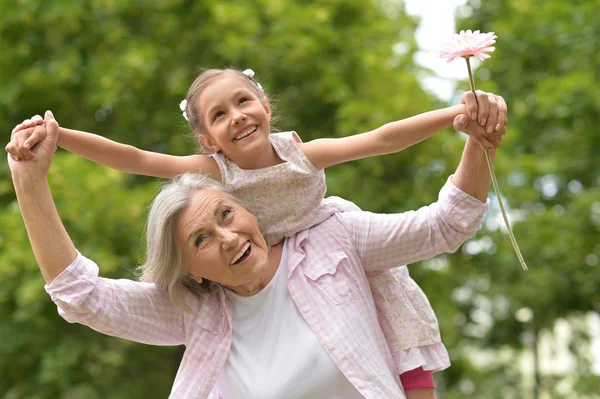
(220, 241)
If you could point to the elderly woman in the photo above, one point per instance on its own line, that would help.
(295, 320)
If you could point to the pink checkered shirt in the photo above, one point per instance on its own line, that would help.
(326, 280)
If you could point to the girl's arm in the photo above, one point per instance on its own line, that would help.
(396, 136)
(122, 157)
(129, 159)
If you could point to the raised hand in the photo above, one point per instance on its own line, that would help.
(486, 119)
(42, 152)
(24, 137)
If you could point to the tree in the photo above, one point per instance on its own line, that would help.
(545, 65)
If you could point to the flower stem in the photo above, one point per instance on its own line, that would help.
(513, 240)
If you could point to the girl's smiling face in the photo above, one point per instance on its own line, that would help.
(237, 121)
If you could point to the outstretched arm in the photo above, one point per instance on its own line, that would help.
(398, 135)
(99, 149)
(132, 310)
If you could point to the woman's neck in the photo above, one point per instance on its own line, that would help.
(274, 258)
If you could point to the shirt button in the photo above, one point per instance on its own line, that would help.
(305, 309)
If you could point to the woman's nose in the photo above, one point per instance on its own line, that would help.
(228, 238)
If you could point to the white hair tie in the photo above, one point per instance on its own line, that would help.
(183, 107)
(250, 74)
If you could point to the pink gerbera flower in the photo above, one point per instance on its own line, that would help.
(467, 44)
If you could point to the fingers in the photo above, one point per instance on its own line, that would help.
(496, 136)
(484, 107)
(469, 99)
(16, 147)
(51, 124)
(490, 125)
(477, 133)
(12, 151)
(502, 110)
(27, 123)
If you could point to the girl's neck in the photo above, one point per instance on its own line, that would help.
(267, 157)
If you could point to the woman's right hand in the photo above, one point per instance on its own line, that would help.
(41, 153)
(24, 136)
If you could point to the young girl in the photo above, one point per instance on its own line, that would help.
(281, 180)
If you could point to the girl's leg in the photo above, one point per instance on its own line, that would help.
(418, 384)
(421, 394)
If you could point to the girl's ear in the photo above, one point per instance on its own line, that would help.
(209, 143)
(267, 106)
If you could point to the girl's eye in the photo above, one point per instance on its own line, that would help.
(218, 114)
(243, 100)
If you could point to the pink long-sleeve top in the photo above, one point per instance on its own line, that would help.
(326, 280)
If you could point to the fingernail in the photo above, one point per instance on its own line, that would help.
(483, 121)
(26, 145)
(474, 116)
(498, 127)
(462, 119)
(490, 129)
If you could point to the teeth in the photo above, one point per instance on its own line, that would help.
(246, 133)
(239, 254)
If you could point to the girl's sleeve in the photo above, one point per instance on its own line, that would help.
(384, 241)
(126, 309)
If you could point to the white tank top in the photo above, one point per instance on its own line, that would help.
(274, 353)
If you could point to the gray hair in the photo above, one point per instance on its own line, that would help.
(164, 264)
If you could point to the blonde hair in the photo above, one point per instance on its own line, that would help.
(164, 264)
(201, 82)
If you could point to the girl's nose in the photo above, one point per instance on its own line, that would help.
(238, 117)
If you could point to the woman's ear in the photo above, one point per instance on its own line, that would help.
(209, 143)
(197, 279)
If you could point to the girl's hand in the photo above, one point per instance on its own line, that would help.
(27, 123)
(24, 137)
(464, 124)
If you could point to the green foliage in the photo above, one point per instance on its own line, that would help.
(120, 69)
(545, 65)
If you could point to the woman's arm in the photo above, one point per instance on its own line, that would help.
(50, 242)
(396, 136)
(387, 241)
(123, 308)
(99, 149)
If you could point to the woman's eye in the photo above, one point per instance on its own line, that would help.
(199, 240)
(218, 115)
(243, 100)
(225, 213)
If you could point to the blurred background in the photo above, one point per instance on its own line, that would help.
(332, 68)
